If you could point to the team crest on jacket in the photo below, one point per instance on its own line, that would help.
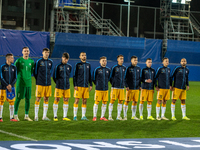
(6, 69)
(12, 69)
(131, 69)
(146, 71)
(100, 71)
(138, 70)
(106, 71)
(117, 69)
(87, 66)
(80, 66)
(42, 63)
(67, 68)
(61, 68)
(49, 64)
(29, 64)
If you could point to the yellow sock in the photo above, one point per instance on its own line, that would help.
(75, 105)
(56, 102)
(65, 102)
(37, 103)
(84, 105)
(157, 105)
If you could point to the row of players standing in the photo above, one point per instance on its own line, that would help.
(119, 76)
(132, 77)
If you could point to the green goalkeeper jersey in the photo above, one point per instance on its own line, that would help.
(25, 69)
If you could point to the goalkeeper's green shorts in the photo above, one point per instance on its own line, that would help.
(23, 92)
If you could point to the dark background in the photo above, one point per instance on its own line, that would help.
(195, 4)
(12, 10)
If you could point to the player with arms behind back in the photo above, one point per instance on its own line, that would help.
(81, 78)
(163, 88)
(117, 90)
(61, 77)
(181, 84)
(42, 73)
(133, 85)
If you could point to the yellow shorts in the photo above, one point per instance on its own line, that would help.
(163, 94)
(146, 95)
(43, 91)
(3, 96)
(179, 94)
(83, 92)
(62, 93)
(117, 94)
(132, 95)
(101, 95)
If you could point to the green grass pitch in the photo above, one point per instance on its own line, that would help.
(63, 130)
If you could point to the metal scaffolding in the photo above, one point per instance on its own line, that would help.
(76, 18)
(178, 22)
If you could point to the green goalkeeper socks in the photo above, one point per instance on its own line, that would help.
(27, 105)
(17, 101)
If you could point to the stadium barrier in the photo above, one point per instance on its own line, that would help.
(12, 41)
(110, 46)
(183, 49)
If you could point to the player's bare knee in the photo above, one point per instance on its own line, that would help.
(57, 99)
(173, 101)
(84, 101)
(159, 101)
(38, 99)
(164, 102)
(1, 102)
(66, 100)
(46, 99)
(134, 102)
(76, 101)
(182, 101)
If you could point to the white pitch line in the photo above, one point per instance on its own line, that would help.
(19, 136)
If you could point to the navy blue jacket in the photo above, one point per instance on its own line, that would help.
(101, 76)
(132, 77)
(82, 74)
(148, 73)
(61, 75)
(42, 72)
(180, 76)
(163, 77)
(117, 76)
(8, 75)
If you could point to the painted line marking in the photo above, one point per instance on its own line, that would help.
(19, 136)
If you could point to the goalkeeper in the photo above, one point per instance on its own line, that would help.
(25, 66)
